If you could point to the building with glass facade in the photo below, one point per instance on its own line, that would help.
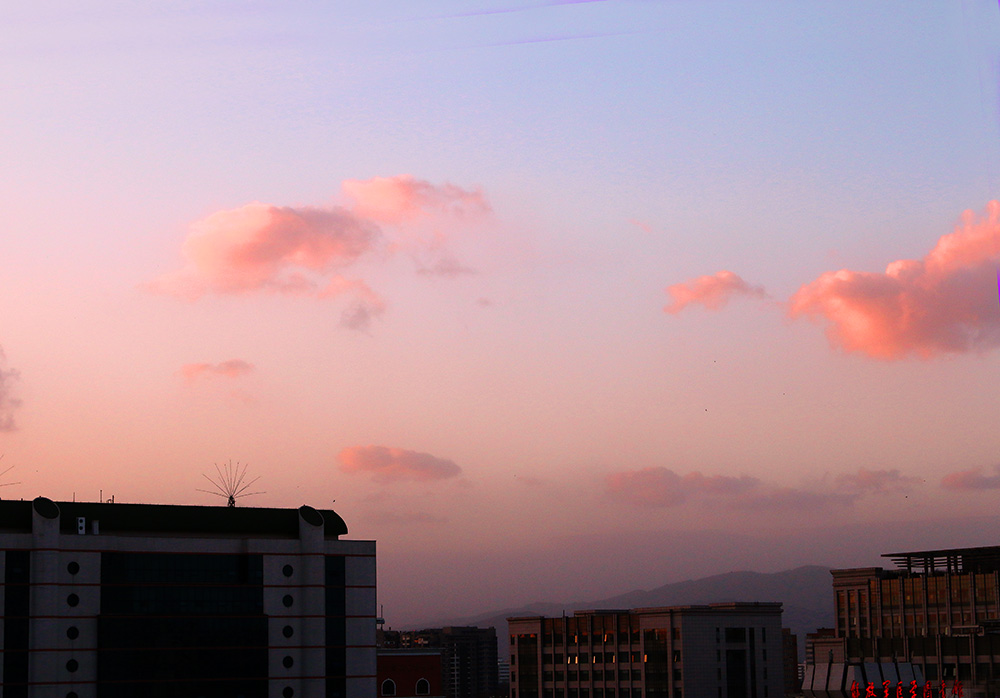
(728, 650)
(106, 600)
(937, 610)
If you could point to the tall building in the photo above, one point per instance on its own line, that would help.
(105, 600)
(729, 650)
(938, 610)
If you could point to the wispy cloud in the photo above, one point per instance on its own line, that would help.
(972, 479)
(713, 291)
(659, 487)
(233, 368)
(875, 481)
(944, 303)
(8, 402)
(396, 464)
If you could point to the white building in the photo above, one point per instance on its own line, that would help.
(109, 600)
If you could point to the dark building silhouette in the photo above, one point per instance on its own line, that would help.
(469, 657)
(410, 672)
(108, 600)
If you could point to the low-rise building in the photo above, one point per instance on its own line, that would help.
(727, 650)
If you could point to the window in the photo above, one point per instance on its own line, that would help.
(388, 688)
(423, 687)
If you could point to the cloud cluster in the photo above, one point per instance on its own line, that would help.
(713, 291)
(396, 464)
(233, 368)
(944, 303)
(972, 480)
(659, 487)
(8, 403)
(263, 248)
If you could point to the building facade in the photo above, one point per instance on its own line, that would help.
(105, 600)
(937, 610)
(730, 650)
(410, 672)
(468, 655)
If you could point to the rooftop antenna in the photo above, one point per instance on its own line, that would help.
(231, 482)
(4, 472)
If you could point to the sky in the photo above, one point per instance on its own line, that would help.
(552, 299)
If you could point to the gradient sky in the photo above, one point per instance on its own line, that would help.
(535, 290)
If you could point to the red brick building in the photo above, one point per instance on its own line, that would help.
(409, 672)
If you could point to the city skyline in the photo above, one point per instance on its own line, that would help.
(535, 281)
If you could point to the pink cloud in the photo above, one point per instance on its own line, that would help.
(711, 291)
(641, 225)
(302, 251)
(972, 480)
(944, 303)
(875, 481)
(233, 368)
(260, 247)
(396, 464)
(659, 487)
(403, 197)
(8, 403)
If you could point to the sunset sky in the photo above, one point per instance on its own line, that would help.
(555, 298)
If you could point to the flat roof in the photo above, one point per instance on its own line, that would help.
(176, 519)
(969, 559)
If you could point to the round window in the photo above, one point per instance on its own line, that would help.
(287, 662)
(288, 631)
(288, 601)
(72, 632)
(73, 600)
(73, 567)
(287, 570)
(288, 692)
(72, 665)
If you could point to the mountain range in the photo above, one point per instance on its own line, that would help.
(805, 592)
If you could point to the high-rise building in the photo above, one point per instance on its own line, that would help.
(105, 600)
(728, 650)
(938, 610)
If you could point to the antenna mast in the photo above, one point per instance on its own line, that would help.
(231, 482)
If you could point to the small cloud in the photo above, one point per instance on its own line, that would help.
(445, 265)
(396, 464)
(711, 291)
(972, 480)
(233, 368)
(641, 225)
(404, 197)
(8, 403)
(484, 302)
(875, 481)
(943, 303)
(265, 248)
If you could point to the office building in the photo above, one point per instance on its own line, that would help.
(108, 600)
(727, 650)
(937, 610)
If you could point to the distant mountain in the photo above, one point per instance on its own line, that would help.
(805, 592)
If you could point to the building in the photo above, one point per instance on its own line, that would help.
(105, 600)
(727, 650)
(937, 610)
(410, 672)
(469, 657)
